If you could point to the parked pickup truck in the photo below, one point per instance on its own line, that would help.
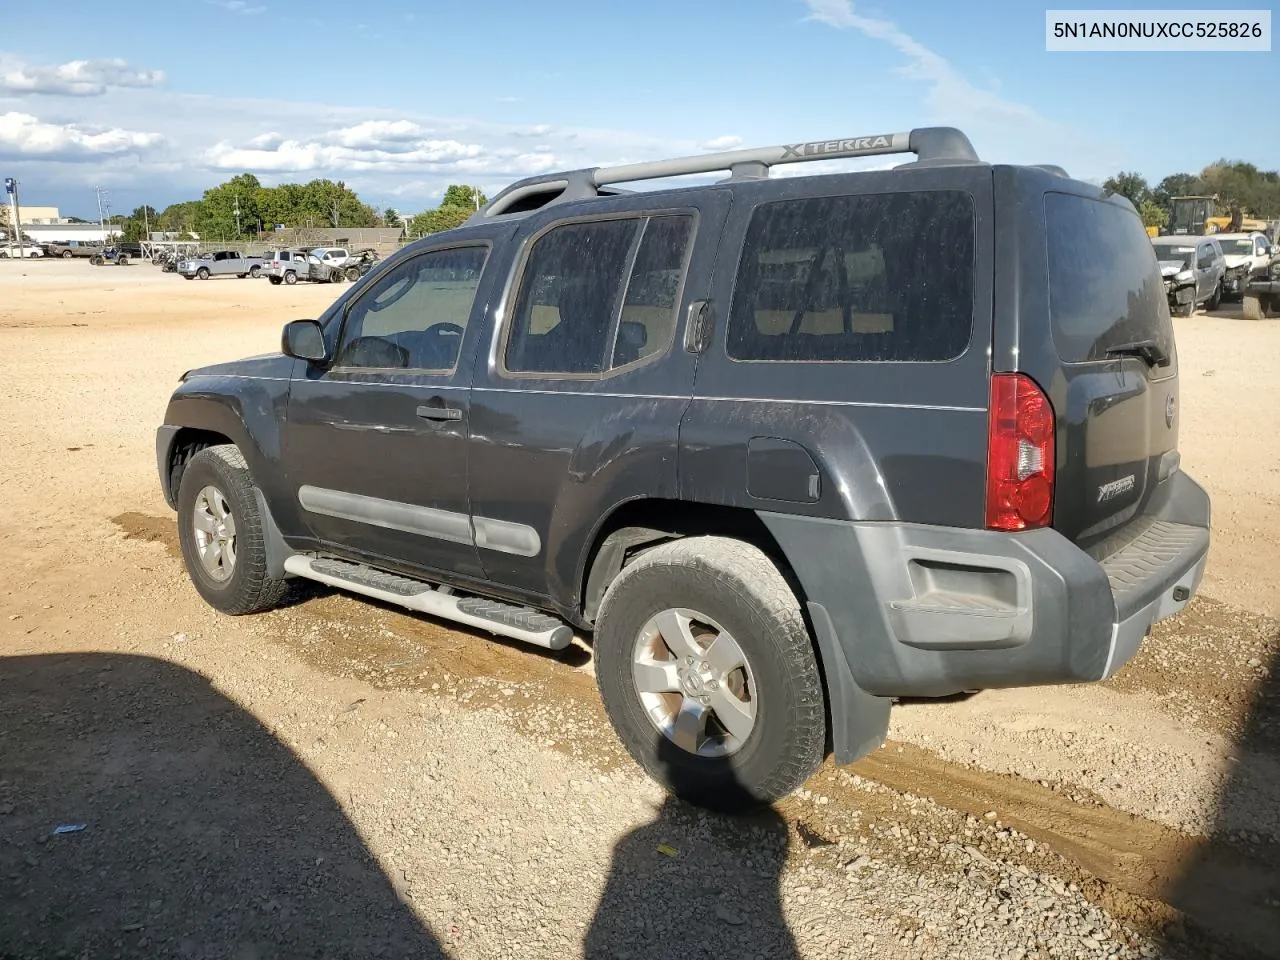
(72, 248)
(224, 263)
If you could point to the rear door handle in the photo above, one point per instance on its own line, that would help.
(440, 413)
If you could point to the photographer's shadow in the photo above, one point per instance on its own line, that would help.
(693, 884)
(144, 814)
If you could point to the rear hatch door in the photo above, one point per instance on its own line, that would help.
(1092, 327)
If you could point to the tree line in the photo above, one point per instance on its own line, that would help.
(242, 207)
(1238, 185)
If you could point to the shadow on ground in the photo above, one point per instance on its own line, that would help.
(695, 885)
(202, 835)
(1244, 863)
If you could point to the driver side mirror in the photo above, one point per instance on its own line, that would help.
(303, 339)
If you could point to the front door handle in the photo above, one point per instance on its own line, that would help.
(439, 413)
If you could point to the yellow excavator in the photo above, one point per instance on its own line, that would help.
(1198, 216)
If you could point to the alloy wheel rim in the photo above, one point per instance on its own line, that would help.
(695, 683)
(214, 526)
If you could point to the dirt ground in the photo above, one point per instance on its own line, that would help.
(338, 778)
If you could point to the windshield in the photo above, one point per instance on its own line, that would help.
(1237, 248)
(1174, 253)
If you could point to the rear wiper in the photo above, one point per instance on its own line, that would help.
(1148, 351)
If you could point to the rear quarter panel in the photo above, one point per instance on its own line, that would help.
(888, 440)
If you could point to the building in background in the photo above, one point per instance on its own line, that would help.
(62, 232)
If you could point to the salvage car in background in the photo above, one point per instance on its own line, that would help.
(27, 250)
(1193, 269)
(1248, 255)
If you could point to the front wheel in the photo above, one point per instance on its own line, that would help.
(291, 278)
(67, 254)
(203, 273)
(1215, 300)
(96, 260)
(220, 530)
(353, 274)
(708, 673)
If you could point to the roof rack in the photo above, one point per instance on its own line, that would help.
(929, 144)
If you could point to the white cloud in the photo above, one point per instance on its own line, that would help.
(23, 135)
(1015, 131)
(386, 134)
(372, 145)
(950, 94)
(76, 78)
(236, 6)
(716, 144)
(537, 130)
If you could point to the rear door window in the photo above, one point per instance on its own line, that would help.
(596, 296)
(1105, 286)
(883, 277)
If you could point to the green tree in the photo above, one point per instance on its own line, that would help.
(179, 217)
(459, 195)
(391, 218)
(334, 204)
(134, 227)
(1176, 185)
(437, 220)
(228, 208)
(1130, 185)
(1153, 215)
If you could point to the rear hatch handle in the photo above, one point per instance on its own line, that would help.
(1149, 351)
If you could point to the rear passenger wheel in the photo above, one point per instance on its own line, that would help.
(275, 281)
(255, 271)
(67, 254)
(220, 531)
(291, 278)
(708, 673)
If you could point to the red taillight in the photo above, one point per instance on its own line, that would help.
(1020, 454)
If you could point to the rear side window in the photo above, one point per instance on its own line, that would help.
(1105, 286)
(886, 277)
(599, 295)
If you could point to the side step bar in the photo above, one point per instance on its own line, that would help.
(502, 619)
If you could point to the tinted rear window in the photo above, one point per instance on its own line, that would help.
(1105, 287)
(863, 278)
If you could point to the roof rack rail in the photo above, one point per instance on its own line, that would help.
(929, 144)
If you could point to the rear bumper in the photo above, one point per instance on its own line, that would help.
(930, 611)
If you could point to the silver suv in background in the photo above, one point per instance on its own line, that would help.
(285, 266)
(1191, 263)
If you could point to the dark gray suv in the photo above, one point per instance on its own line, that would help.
(783, 448)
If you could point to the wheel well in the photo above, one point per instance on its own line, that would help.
(640, 524)
(187, 442)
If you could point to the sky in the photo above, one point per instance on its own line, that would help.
(157, 102)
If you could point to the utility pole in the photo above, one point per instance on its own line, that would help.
(15, 215)
(102, 214)
(237, 216)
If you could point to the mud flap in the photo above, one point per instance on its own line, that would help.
(859, 720)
